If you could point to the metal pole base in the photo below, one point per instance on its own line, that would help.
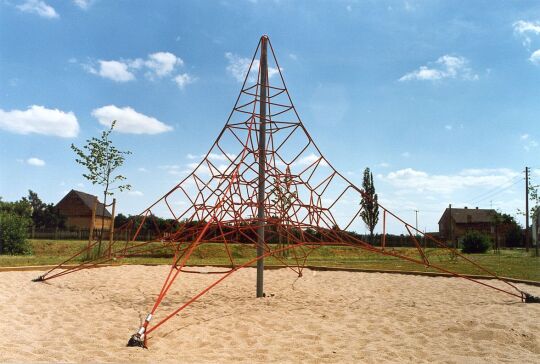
(136, 340)
(38, 279)
(529, 298)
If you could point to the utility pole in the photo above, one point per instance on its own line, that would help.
(527, 240)
(416, 212)
(262, 165)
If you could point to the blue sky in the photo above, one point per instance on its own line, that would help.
(439, 98)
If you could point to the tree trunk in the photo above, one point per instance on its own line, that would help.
(102, 221)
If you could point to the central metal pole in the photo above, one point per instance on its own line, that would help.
(262, 166)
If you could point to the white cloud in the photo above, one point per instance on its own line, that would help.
(405, 154)
(83, 4)
(155, 66)
(40, 120)
(530, 145)
(522, 26)
(129, 120)
(212, 156)
(183, 80)
(177, 170)
(408, 6)
(535, 57)
(384, 165)
(113, 70)
(203, 169)
(410, 179)
(238, 67)
(525, 28)
(528, 142)
(39, 8)
(221, 157)
(35, 162)
(446, 66)
(448, 127)
(310, 159)
(135, 193)
(162, 64)
(142, 169)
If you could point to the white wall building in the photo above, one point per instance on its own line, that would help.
(536, 229)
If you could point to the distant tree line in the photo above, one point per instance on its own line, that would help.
(155, 227)
(43, 215)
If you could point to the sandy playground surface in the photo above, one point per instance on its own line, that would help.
(322, 317)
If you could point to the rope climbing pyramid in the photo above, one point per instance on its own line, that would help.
(264, 184)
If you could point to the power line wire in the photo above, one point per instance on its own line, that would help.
(498, 192)
(504, 185)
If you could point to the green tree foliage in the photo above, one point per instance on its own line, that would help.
(507, 229)
(475, 242)
(120, 220)
(534, 195)
(14, 222)
(131, 223)
(101, 159)
(43, 215)
(370, 206)
(514, 237)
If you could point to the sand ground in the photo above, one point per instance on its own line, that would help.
(323, 317)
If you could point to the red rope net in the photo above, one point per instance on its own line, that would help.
(307, 203)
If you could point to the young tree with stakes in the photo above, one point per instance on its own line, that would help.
(370, 206)
(101, 158)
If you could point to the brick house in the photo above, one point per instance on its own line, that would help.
(458, 222)
(77, 207)
(484, 221)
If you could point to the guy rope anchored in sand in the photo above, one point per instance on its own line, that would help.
(265, 184)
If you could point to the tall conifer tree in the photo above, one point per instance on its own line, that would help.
(370, 206)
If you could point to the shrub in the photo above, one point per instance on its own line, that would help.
(13, 230)
(514, 237)
(475, 242)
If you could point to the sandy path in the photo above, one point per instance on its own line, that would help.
(324, 317)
